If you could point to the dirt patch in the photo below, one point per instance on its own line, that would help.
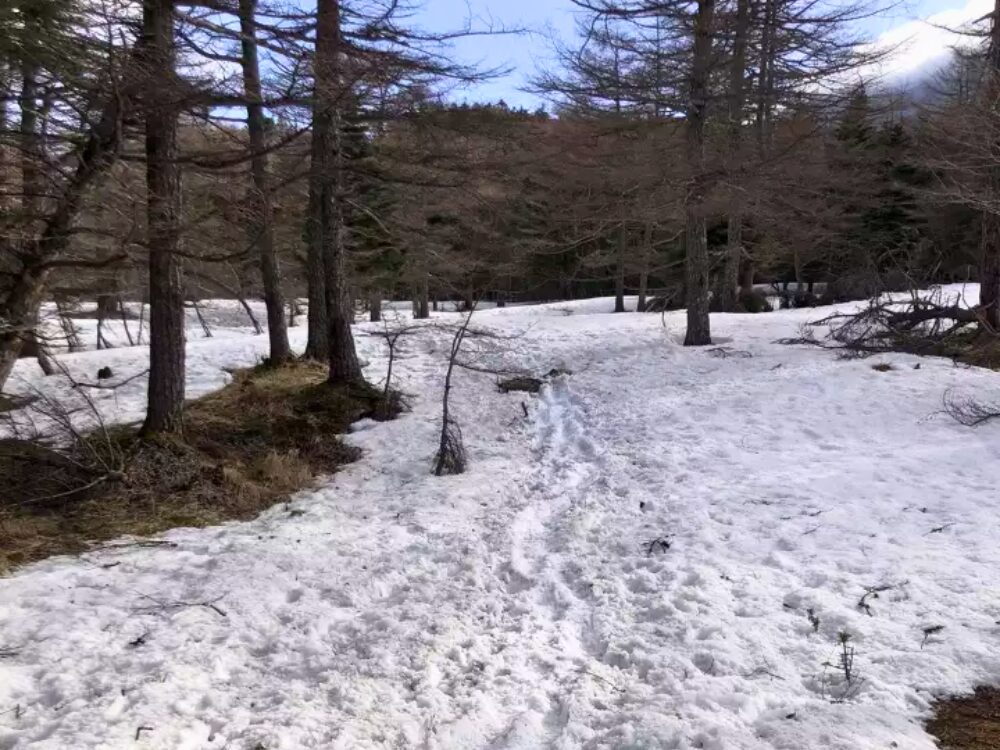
(266, 435)
(526, 384)
(968, 723)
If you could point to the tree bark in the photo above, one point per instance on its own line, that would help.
(421, 299)
(746, 277)
(108, 305)
(620, 271)
(318, 334)
(765, 76)
(165, 397)
(989, 277)
(729, 279)
(647, 249)
(260, 226)
(696, 264)
(30, 144)
(35, 347)
(375, 305)
(20, 310)
(327, 185)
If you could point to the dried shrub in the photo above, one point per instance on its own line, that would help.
(450, 458)
(266, 435)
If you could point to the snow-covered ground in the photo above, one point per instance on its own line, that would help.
(663, 553)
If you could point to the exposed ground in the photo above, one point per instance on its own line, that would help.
(968, 723)
(667, 548)
(256, 441)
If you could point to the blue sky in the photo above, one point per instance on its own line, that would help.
(525, 52)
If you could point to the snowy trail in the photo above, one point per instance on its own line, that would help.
(632, 565)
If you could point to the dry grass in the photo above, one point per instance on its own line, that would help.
(255, 442)
(969, 723)
(971, 347)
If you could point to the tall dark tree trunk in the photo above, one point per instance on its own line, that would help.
(375, 305)
(30, 143)
(318, 334)
(620, 270)
(108, 304)
(165, 397)
(730, 277)
(35, 347)
(746, 277)
(765, 76)
(326, 189)
(19, 312)
(696, 264)
(647, 249)
(260, 226)
(21, 319)
(421, 299)
(989, 276)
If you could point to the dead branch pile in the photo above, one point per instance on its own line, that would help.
(921, 323)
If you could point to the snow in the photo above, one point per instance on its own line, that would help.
(522, 605)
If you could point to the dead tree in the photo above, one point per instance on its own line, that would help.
(450, 457)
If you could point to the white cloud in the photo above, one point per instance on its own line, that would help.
(924, 43)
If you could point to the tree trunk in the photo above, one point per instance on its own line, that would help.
(765, 76)
(375, 305)
(20, 310)
(729, 279)
(989, 277)
(30, 143)
(35, 347)
(260, 226)
(317, 341)
(165, 397)
(696, 265)
(326, 187)
(746, 277)
(108, 305)
(6, 93)
(620, 271)
(421, 307)
(647, 249)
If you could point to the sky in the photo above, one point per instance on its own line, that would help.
(912, 26)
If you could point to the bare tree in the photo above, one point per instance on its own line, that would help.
(165, 397)
(989, 290)
(326, 217)
(696, 249)
(260, 226)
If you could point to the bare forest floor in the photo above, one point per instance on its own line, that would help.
(968, 722)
